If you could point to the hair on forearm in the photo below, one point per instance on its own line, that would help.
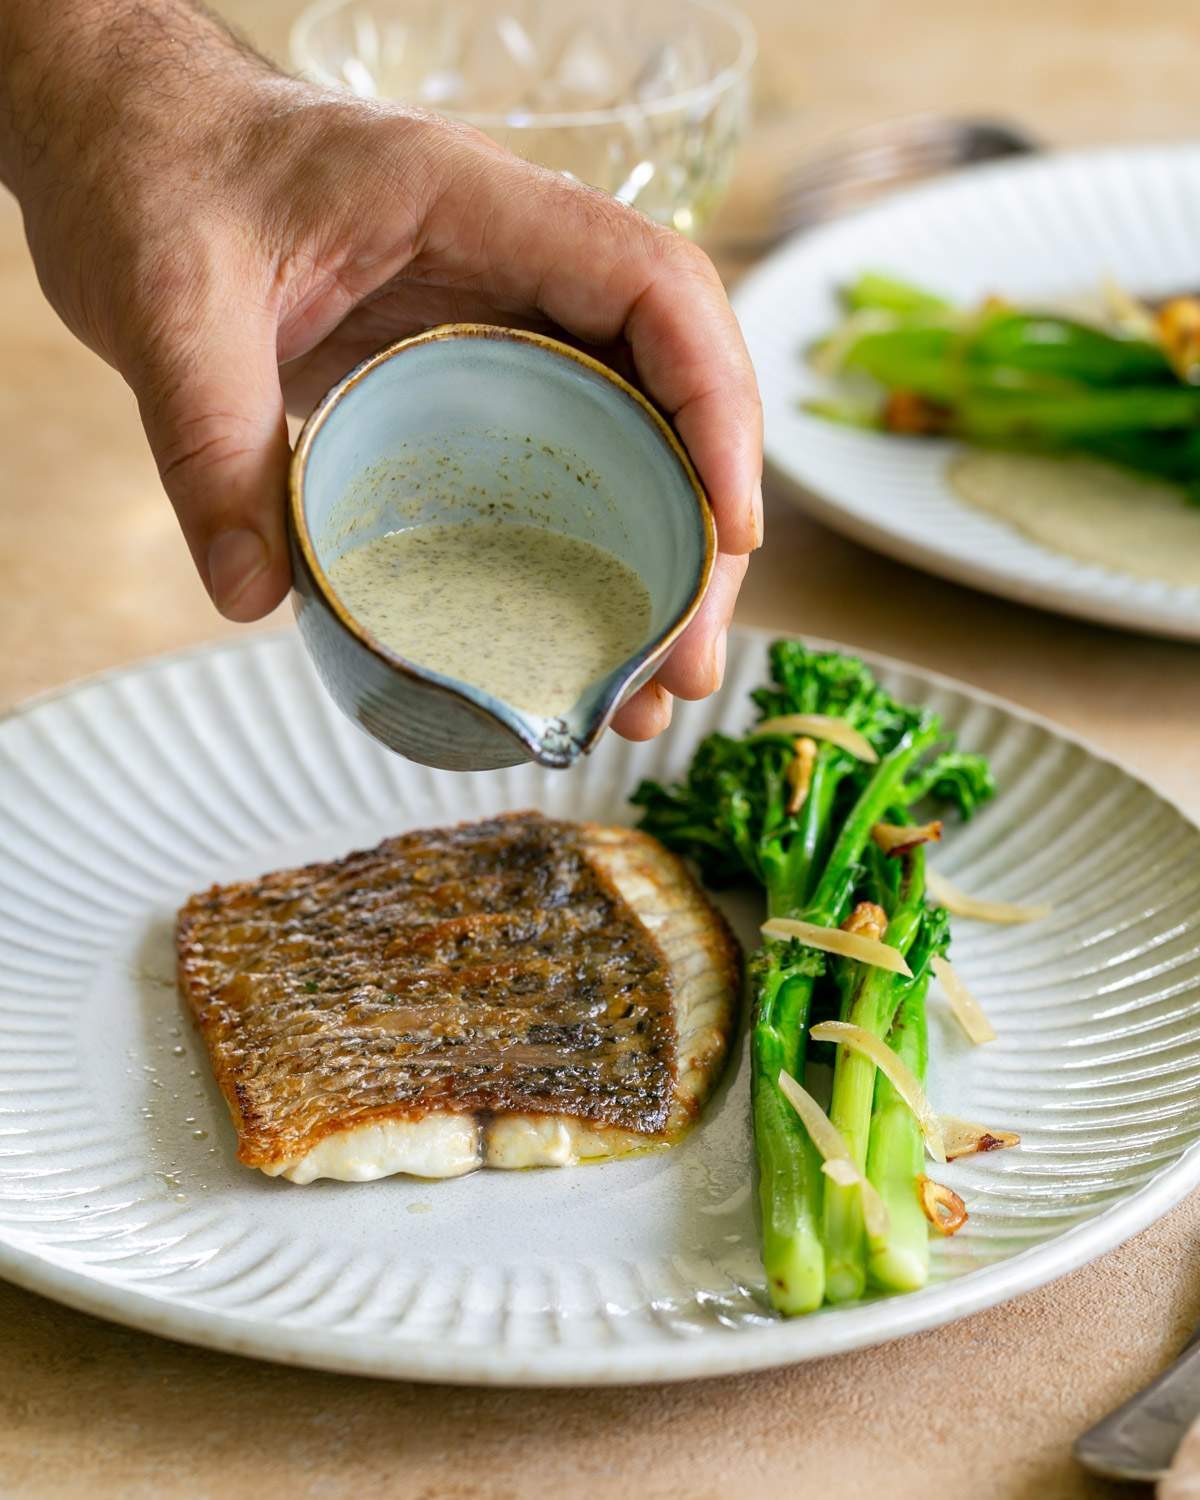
(73, 70)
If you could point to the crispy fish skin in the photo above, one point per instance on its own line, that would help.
(515, 992)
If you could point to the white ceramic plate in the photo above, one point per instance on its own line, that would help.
(1048, 226)
(119, 1192)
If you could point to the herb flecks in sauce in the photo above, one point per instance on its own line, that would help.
(527, 614)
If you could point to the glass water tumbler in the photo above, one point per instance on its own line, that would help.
(646, 99)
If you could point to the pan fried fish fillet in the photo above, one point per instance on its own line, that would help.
(517, 992)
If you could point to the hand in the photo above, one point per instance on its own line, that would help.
(231, 240)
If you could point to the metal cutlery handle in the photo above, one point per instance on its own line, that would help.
(857, 167)
(1139, 1440)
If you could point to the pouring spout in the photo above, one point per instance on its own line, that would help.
(558, 746)
(559, 742)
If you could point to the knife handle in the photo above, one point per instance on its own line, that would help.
(1139, 1440)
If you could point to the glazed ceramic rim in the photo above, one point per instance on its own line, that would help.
(302, 55)
(298, 520)
(26, 1264)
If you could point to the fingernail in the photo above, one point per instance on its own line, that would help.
(756, 513)
(720, 647)
(235, 559)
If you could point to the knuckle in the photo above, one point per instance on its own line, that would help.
(196, 429)
(578, 202)
(455, 135)
(682, 257)
(749, 402)
(696, 260)
(198, 444)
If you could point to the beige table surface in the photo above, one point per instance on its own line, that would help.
(92, 573)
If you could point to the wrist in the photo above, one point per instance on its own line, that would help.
(81, 77)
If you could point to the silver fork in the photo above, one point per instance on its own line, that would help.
(865, 163)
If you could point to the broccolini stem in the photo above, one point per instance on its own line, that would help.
(789, 1167)
(871, 1004)
(899, 1262)
(827, 904)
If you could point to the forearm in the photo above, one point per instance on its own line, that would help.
(74, 73)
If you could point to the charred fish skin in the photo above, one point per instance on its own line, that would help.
(517, 992)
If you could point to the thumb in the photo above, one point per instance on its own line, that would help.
(211, 404)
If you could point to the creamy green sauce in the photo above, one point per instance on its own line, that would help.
(526, 614)
(1090, 510)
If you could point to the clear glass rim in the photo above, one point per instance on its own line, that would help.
(302, 57)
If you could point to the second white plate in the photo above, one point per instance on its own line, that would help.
(119, 1191)
(1036, 227)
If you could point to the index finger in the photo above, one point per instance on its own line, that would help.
(604, 272)
(693, 361)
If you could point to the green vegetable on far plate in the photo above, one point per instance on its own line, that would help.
(820, 820)
(906, 361)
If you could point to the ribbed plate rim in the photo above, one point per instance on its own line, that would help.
(187, 1321)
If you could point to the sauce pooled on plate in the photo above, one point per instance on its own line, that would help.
(1090, 510)
(527, 614)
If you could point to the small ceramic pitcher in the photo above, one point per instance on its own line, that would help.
(423, 432)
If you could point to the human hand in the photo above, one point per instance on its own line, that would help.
(231, 240)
